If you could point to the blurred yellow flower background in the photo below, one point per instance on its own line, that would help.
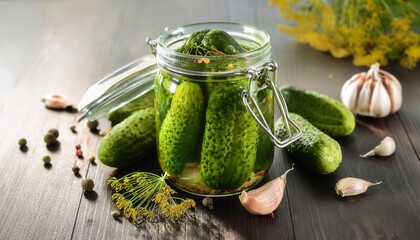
(371, 31)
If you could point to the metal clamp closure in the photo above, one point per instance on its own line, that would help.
(248, 97)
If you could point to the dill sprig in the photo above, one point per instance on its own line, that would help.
(198, 49)
(147, 196)
(195, 46)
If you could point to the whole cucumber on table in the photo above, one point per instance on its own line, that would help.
(130, 140)
(322, 111)
(181, 128)
(142, 102)
(229, 148)
(315, 150)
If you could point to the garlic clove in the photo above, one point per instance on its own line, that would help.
(380, 103)
(385, 148)
(265, 199)
(351, 186)
(55, 101)
(363, 101)
(395, 94)
(349, 91)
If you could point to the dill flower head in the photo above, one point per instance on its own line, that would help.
(371, 31)
(146, 196)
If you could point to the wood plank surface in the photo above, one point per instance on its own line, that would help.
(65, 46)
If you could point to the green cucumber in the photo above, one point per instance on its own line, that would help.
(181, 128)
(315, 150)
(230, 140)
(322, 111)
(221, 41)
(163, 96)
(130, 140)
(142, 102)
(265, 150)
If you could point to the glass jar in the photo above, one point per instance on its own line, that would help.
(215, 114)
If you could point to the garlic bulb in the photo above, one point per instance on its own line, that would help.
(385, 148)
(375, 93)
(351, 186)
(265, 199)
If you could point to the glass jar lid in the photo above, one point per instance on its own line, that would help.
(118, 88)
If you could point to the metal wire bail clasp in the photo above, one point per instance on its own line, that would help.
(248, 99)
(152, 43)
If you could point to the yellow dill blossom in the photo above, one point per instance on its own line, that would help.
(146, 196)
(338, 52)
(413, 51)
(411, 56)
(376, 55)
(369, 30)
(173, 208)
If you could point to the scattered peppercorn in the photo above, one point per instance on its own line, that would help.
(54, 132)
(92, 159)
(46, 159)
(22, 142)
(73, 128)
(79, 153)
(78, 146)
(87, 184)
(115, 214)
(93, 124)
(76, 169)
(50, 139)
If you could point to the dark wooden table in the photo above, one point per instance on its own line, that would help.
(65, 46)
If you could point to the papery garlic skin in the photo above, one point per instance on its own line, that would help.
(385, 148)
(374, 93)
(265, 199)
(351, 186)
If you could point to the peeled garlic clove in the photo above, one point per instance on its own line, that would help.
(375, 93)
(265, 199)
(385, 148)
(55, 101)
(351, 186)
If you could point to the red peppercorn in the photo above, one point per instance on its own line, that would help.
(78, 146)
(79, 153)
